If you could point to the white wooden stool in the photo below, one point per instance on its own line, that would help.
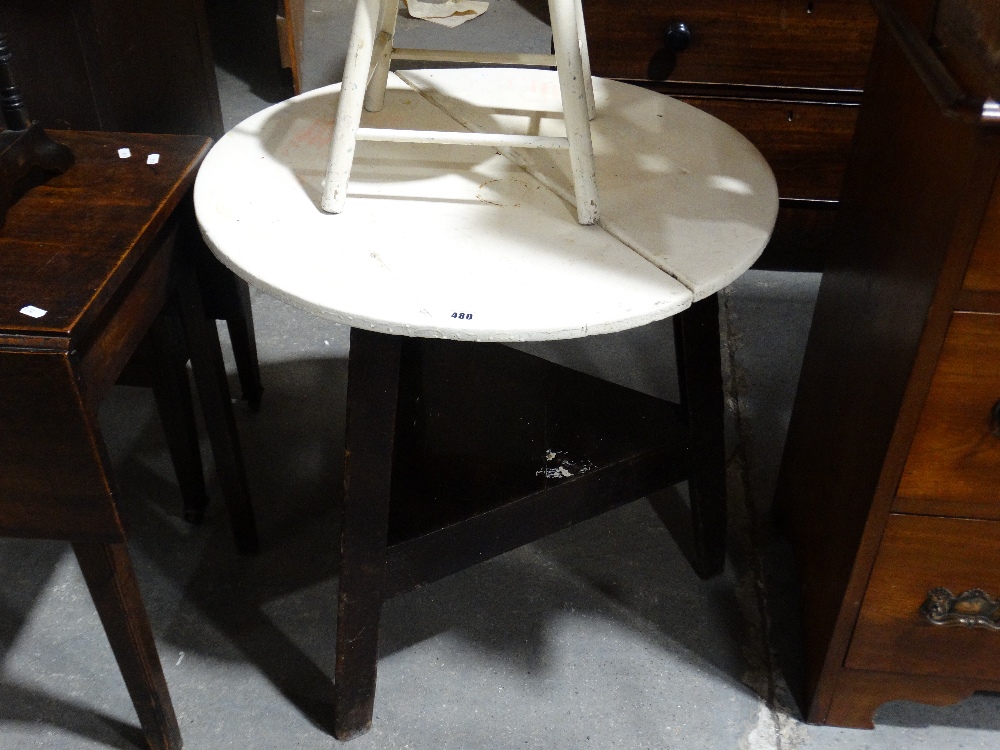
(366, 72)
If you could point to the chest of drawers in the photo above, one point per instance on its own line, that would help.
(788, 74)
(890, 484)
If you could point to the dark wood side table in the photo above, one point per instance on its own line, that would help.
(889, 483)
(147, 67)
(88, 262)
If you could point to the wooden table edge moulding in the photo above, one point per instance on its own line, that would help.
(459, 448)
(95, 268)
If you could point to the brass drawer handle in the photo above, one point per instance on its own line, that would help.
(973, 609)
(953, 100)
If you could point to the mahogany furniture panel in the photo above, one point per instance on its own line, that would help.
(103, 250)
(899, 375)
(788, 75)
(823, 44)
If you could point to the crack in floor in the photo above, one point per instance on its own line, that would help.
(775, 728)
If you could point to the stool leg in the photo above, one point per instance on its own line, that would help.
(372, 394)
(217, 409)
(107, 569)
(566, 39)
(699, 362)
(379, 77)
(352, 96)
(588, 81)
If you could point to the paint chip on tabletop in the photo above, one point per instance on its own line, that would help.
(33, 312)
(124, 153)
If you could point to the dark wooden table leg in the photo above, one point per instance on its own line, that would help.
(107, 570)
(699, 363)
(243, 339)
(227, 297)
(175, 405)
(372, 395)
(217, 409)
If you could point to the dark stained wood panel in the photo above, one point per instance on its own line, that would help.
(60, 491)
(796, 43)
(115, 64)
(57, 84)
(973, 27)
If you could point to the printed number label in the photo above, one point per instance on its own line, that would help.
(462, 315)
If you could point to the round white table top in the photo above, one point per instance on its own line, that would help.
(460, 242)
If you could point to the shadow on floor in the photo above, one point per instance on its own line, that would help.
(276, 612)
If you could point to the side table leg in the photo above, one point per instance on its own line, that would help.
(108, 572)
(244, 341)
(699, 364)
(217, 408)
(372, 395)
(175, 405)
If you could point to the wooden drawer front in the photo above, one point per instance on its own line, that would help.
(806, 145)
(983, 274)
(919, 554)
(798, 43)
(953, 468)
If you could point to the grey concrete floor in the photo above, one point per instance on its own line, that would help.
(599, 636)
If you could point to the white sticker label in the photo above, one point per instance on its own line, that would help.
(33, 312)
(153, 159)
(124, 153)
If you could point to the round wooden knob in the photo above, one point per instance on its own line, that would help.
(676, 38)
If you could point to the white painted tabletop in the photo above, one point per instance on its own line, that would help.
(460, 242)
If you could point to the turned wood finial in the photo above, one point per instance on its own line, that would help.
(15, 113)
